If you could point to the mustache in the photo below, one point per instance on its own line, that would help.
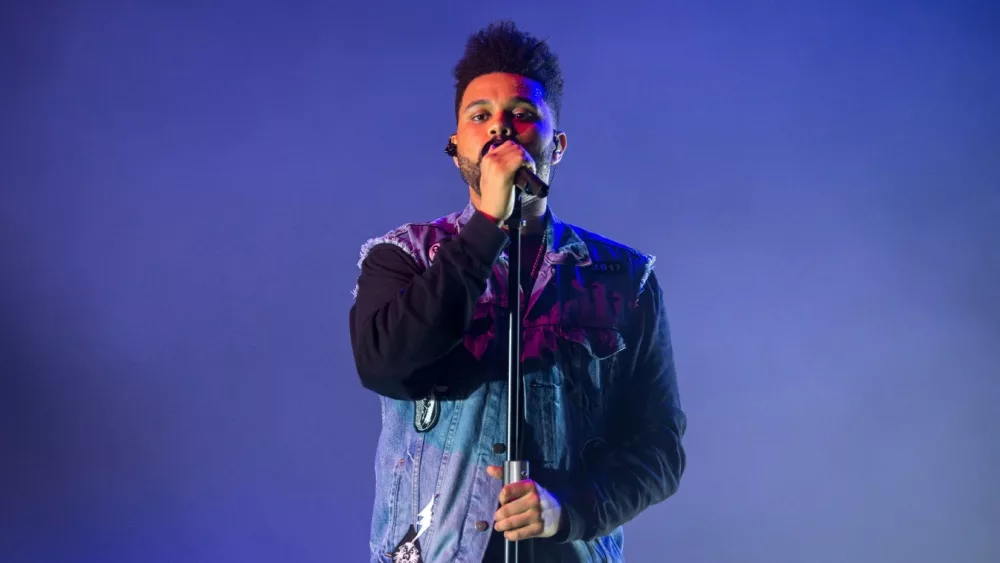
(495, 142)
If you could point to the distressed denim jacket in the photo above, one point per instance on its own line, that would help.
(603, 422)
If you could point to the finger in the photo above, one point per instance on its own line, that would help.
(523, 159)
(492, 146)
(506, 148)
(495, 471)
(532, 530)
(502, 148)
(528, 502)
(516, 490)
(503, 166)
(507, 160)
(517, 521)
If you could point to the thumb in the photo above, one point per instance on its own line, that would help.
(495, 471)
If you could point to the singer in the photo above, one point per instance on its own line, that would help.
(602, 415)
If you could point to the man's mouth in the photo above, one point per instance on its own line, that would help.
(494, 142)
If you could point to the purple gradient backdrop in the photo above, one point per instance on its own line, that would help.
(185, 186)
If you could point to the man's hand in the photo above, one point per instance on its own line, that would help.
(526, 511)
(497, 171)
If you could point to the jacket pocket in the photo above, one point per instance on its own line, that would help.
(597, 343)
(383, 540)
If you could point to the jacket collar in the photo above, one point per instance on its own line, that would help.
(563, 244)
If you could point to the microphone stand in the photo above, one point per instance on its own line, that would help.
(515, 468)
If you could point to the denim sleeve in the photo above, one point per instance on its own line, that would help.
(645, 466)
(406, 318)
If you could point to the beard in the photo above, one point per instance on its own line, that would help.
(471, 172)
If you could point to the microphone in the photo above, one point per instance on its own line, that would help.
(524, 178)
(530, 184)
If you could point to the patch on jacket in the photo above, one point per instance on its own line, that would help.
(408, 550)
(426, 413)
(613, 267)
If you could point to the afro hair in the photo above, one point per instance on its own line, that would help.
(502, 47)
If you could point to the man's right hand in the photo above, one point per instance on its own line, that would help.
(496, 178)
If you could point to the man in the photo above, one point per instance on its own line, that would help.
(428, 330)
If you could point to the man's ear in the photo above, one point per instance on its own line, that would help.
(559, 140)
(452, 149)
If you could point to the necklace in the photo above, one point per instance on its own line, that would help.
(539, 256)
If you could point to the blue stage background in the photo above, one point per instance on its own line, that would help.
(186, 185)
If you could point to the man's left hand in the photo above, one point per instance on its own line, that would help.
(526, 511)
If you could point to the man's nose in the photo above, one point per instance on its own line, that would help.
(500, 129)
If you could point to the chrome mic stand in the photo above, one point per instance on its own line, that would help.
(516, 467)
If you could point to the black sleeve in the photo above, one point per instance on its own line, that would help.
(406, 317)
(645, 466)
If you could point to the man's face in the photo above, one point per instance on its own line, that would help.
(506, 106)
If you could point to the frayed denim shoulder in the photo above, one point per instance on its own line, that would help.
(647, 269)
(395, 238)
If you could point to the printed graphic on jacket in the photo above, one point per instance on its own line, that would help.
(408, 549)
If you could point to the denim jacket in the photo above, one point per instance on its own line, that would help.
(603, 416)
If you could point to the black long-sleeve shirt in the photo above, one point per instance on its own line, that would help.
(406, 319)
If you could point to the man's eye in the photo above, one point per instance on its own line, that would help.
(479, 117)
(524, 115)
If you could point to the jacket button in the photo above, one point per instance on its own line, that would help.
(482, 525)
(499, 448)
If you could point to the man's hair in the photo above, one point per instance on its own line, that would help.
(502, 47)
